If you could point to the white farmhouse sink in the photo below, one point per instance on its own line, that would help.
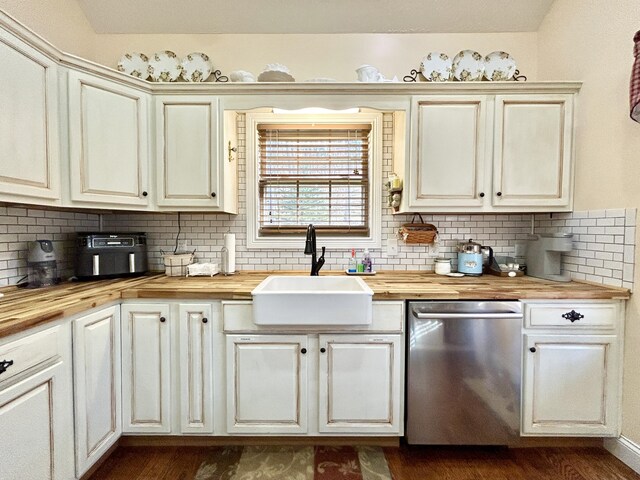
(306, 300)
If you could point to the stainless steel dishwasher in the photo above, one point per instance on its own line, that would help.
(463, 372)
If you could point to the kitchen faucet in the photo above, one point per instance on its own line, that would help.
(310, 249)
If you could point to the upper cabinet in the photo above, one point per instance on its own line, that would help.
(29, 134)
(108, 142)
(490, 153)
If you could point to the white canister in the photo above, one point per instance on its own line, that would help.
(443, 266)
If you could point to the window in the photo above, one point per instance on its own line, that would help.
(317, 169)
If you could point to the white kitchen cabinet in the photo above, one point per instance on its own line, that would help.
(572, 368)
(108, 142)
(360, 385)
(533, 145)
(267, 384)
(29, 126)
(490, 153)
(36, 406)
(146, 362)
(97, 385)
(193, 168)
(449, 135)
(196, 368)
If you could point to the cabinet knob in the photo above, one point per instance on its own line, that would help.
(213, 194)
(322, 350)
(144, 194)
(572, 316)
(532, 349)
(4, 364)
(205, 320)
(303, 351)
(481, 194)
(162, 319)
(499, 194)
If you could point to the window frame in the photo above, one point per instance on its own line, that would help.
(270, 241)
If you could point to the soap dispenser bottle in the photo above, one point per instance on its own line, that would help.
(353, 263)
(366, 261)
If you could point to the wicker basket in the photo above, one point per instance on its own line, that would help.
(418, 232)
(175, 265)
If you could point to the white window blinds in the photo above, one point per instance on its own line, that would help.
(313, 174)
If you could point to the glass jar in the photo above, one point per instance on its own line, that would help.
(443, 266)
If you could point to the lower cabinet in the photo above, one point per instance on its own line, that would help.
(36, 413)
(572, 369)
(97, 385)
(146, 363)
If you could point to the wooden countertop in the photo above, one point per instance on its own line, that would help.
(22, 308)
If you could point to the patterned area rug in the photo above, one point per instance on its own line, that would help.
(295, 463)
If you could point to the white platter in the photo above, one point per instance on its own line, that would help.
(134, 64)
(275, 76)
(499, 66)
(468, 66)
(164, 67)
(436, 67)
(455, 274)
(196, 67)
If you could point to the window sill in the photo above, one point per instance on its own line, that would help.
(297, 243)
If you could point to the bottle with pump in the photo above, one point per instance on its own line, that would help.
(353, 263)
(366, 261)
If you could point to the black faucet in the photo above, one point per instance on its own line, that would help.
(310, 249)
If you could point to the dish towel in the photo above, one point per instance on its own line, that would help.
(634, 86)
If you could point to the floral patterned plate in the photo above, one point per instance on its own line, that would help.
(499, 66)
(468, 66)
(436, 67)
(164, 67)
(134, 64)
(196, 67)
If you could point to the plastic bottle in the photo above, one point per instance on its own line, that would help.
(366, 261)
(353, 263)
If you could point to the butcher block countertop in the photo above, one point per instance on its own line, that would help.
(22, 308)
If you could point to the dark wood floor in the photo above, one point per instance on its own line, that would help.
(405, 463)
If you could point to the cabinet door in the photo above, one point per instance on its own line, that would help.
(108, 142)
(196, 362)
(146, 377)
(449, 151)
(36, 419)
(570, 385)
(29, 132)
(533, 144)
(97, 385)
(187, 146)
(267, 383)
(359, 389)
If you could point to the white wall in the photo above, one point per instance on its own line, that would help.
(592, 41)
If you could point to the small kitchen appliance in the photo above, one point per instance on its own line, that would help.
(470, 257)
(41, 263)
(544, 255)
(104, 255)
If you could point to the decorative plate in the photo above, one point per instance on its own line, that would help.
(499, 66)
(436, 67)
(196, 67)
(134, 64)
(164, 67)
(468, 66)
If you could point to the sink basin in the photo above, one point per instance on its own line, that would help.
(306, 300)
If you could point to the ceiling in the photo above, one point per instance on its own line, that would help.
(314, 16)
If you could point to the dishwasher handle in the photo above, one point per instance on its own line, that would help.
(442, 316)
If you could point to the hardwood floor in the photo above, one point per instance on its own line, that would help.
(405, 463)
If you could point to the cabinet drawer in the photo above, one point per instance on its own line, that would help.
(571, 314)
(33, 353)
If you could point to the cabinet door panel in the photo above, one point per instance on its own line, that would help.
(108, 141)
(533, 149)
(570, 385)
(360, 383)
(97, 385)
(145, 368)
(187, 135)
(29, 136)
(196, 375)
(449, 161)
(267, 376)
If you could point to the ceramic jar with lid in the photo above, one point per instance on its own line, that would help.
(443, 266)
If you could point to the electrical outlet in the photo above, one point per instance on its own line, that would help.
(392, 247)
(185, 246)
